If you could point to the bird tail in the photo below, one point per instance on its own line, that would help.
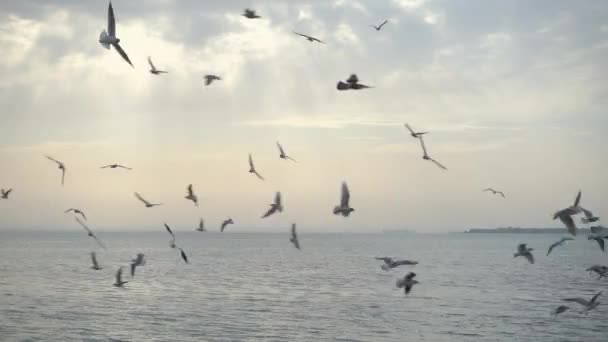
(102, 37)
(337, 210)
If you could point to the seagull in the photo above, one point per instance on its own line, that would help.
(599, 239)
(76, 211)
(495, 192)
(61, 167)
(252, 168)
(282, 154)
(309, 38)
(426, 156)
(191, 196)
(602, 271)
(379, 27)
(90, 233)
(109, 38)
(201, 226)
(351, 83)
(565, 215)
(225, 223)
(113, 166)
(4, 193)
(589, 217)
(172, 243)
(95, 266)
(250, 14)
(414, 134)
(294, 236)
(559, 310)
(344, 208)
(210, 78)
(153, 69)
(589, 305)
(183, 255)
(119, 282)
(524, 251)
(391, 263)
(407, 282)
(558, 243)
(146, 203)
(276, 206)
(138, 261)
(597, 229)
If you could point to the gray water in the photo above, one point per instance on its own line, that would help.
(258, 287)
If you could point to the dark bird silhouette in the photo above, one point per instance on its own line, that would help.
(276, 206)
(378, 28)
(201, 226)
(153, 69)
(495, 192)
(309, 38)
(95, 266)
(602, 271)
(426, 155)
(138, 261)
(282, 154)
(565, 215)
(109, 38)
(598, 239)
(90, 233)
(4, 193)
(146, 203)
(294, 236)
(119, 282)
(560, 309)
(588, 305)
(558, 243)
(181, 251)
(344, 208)
(172, 243)
(351, 83)
(391, 263)
(252, 168)
(61, 167)
(414, 134)
(191, 196)
(407, 282)
(76, 211)
(250, 14)
(210, 78)
(114, 166)
(524, 251)
(225, 223)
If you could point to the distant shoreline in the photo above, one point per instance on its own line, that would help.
(511, 230)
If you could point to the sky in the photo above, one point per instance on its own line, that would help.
(512, 92)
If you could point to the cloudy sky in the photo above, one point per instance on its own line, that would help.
(513, 92)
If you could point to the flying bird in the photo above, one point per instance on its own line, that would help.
(598, 239)
(61, 167)
(181, 251)
(407, 282)
(378, 28)
(414, 134)
(309, 38)
(4, 193)
(250, 14)
(210, 78)
(146, 203)
(351, 83)
(90, 233)
(282, 154)
(495, 192)
(344, 208)
(560, 309)
(113, 166)
(191, 196)
(588, 305)
(426, 155)
(294, 236)
(602, 271)
(119, 282)
(109, 38)
(201, 226)
(153, 69)
(252, 168)
(276, 206)
(589, 217)
(225, 223)
(76, 211)
(95, 266)
(565, 215)
(172, 243)
(138, 261)
(391, 263)
(524, 251)
(558, 243)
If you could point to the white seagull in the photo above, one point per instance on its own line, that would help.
(344, 208)
(172, 243)
(524, 251)
(558, 243)
(225, 223)
(294, 237)
(4, 193)
(414, 134)
(90, 233)
(146, 203)
(282, 154)
(210, 78)
(589, 305)
(76, 211)
(109, 38)
(565, 215)
(276, 206)
(391, 263)
(119, 282)
(95, 266)
(61, 167)
(153, 69)
(252, 168)
(426, 155)
(191, 196)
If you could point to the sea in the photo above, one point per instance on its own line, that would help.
(258, 287)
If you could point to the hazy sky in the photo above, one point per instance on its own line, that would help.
(513, 92)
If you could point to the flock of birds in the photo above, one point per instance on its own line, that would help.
(109, 39)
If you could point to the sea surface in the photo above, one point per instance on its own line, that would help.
(257, 287)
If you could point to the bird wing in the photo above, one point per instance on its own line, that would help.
(409, 128)
(553, 246)
(183, 255)
(408, 288)
(124, 167)
(581, 301)
(578, 199)
(345, 196)
(277, 199)
(151, 64)
(404, 262)
(280, 148)
(488, 189)
(501, 193)
(258, 175)
(588, 213)
(111, 21)
(119, 276)
(81, 213)
(270, 211)
(62, 176)
(251, 162)
(343, 86)
(379, 27)
(190, 191)
(569, 222)
(438, 164)
(84, 226)
(423, 146)
(138, 196)
(530, 257)
(318, 40)
(600, 242)
(8, 192)
(94, 260)
(208, 80)
(594, 298)
(300, 34)
(387, 260)
(168, 229)
(521, 248)
(122, 53)
(294, 236)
